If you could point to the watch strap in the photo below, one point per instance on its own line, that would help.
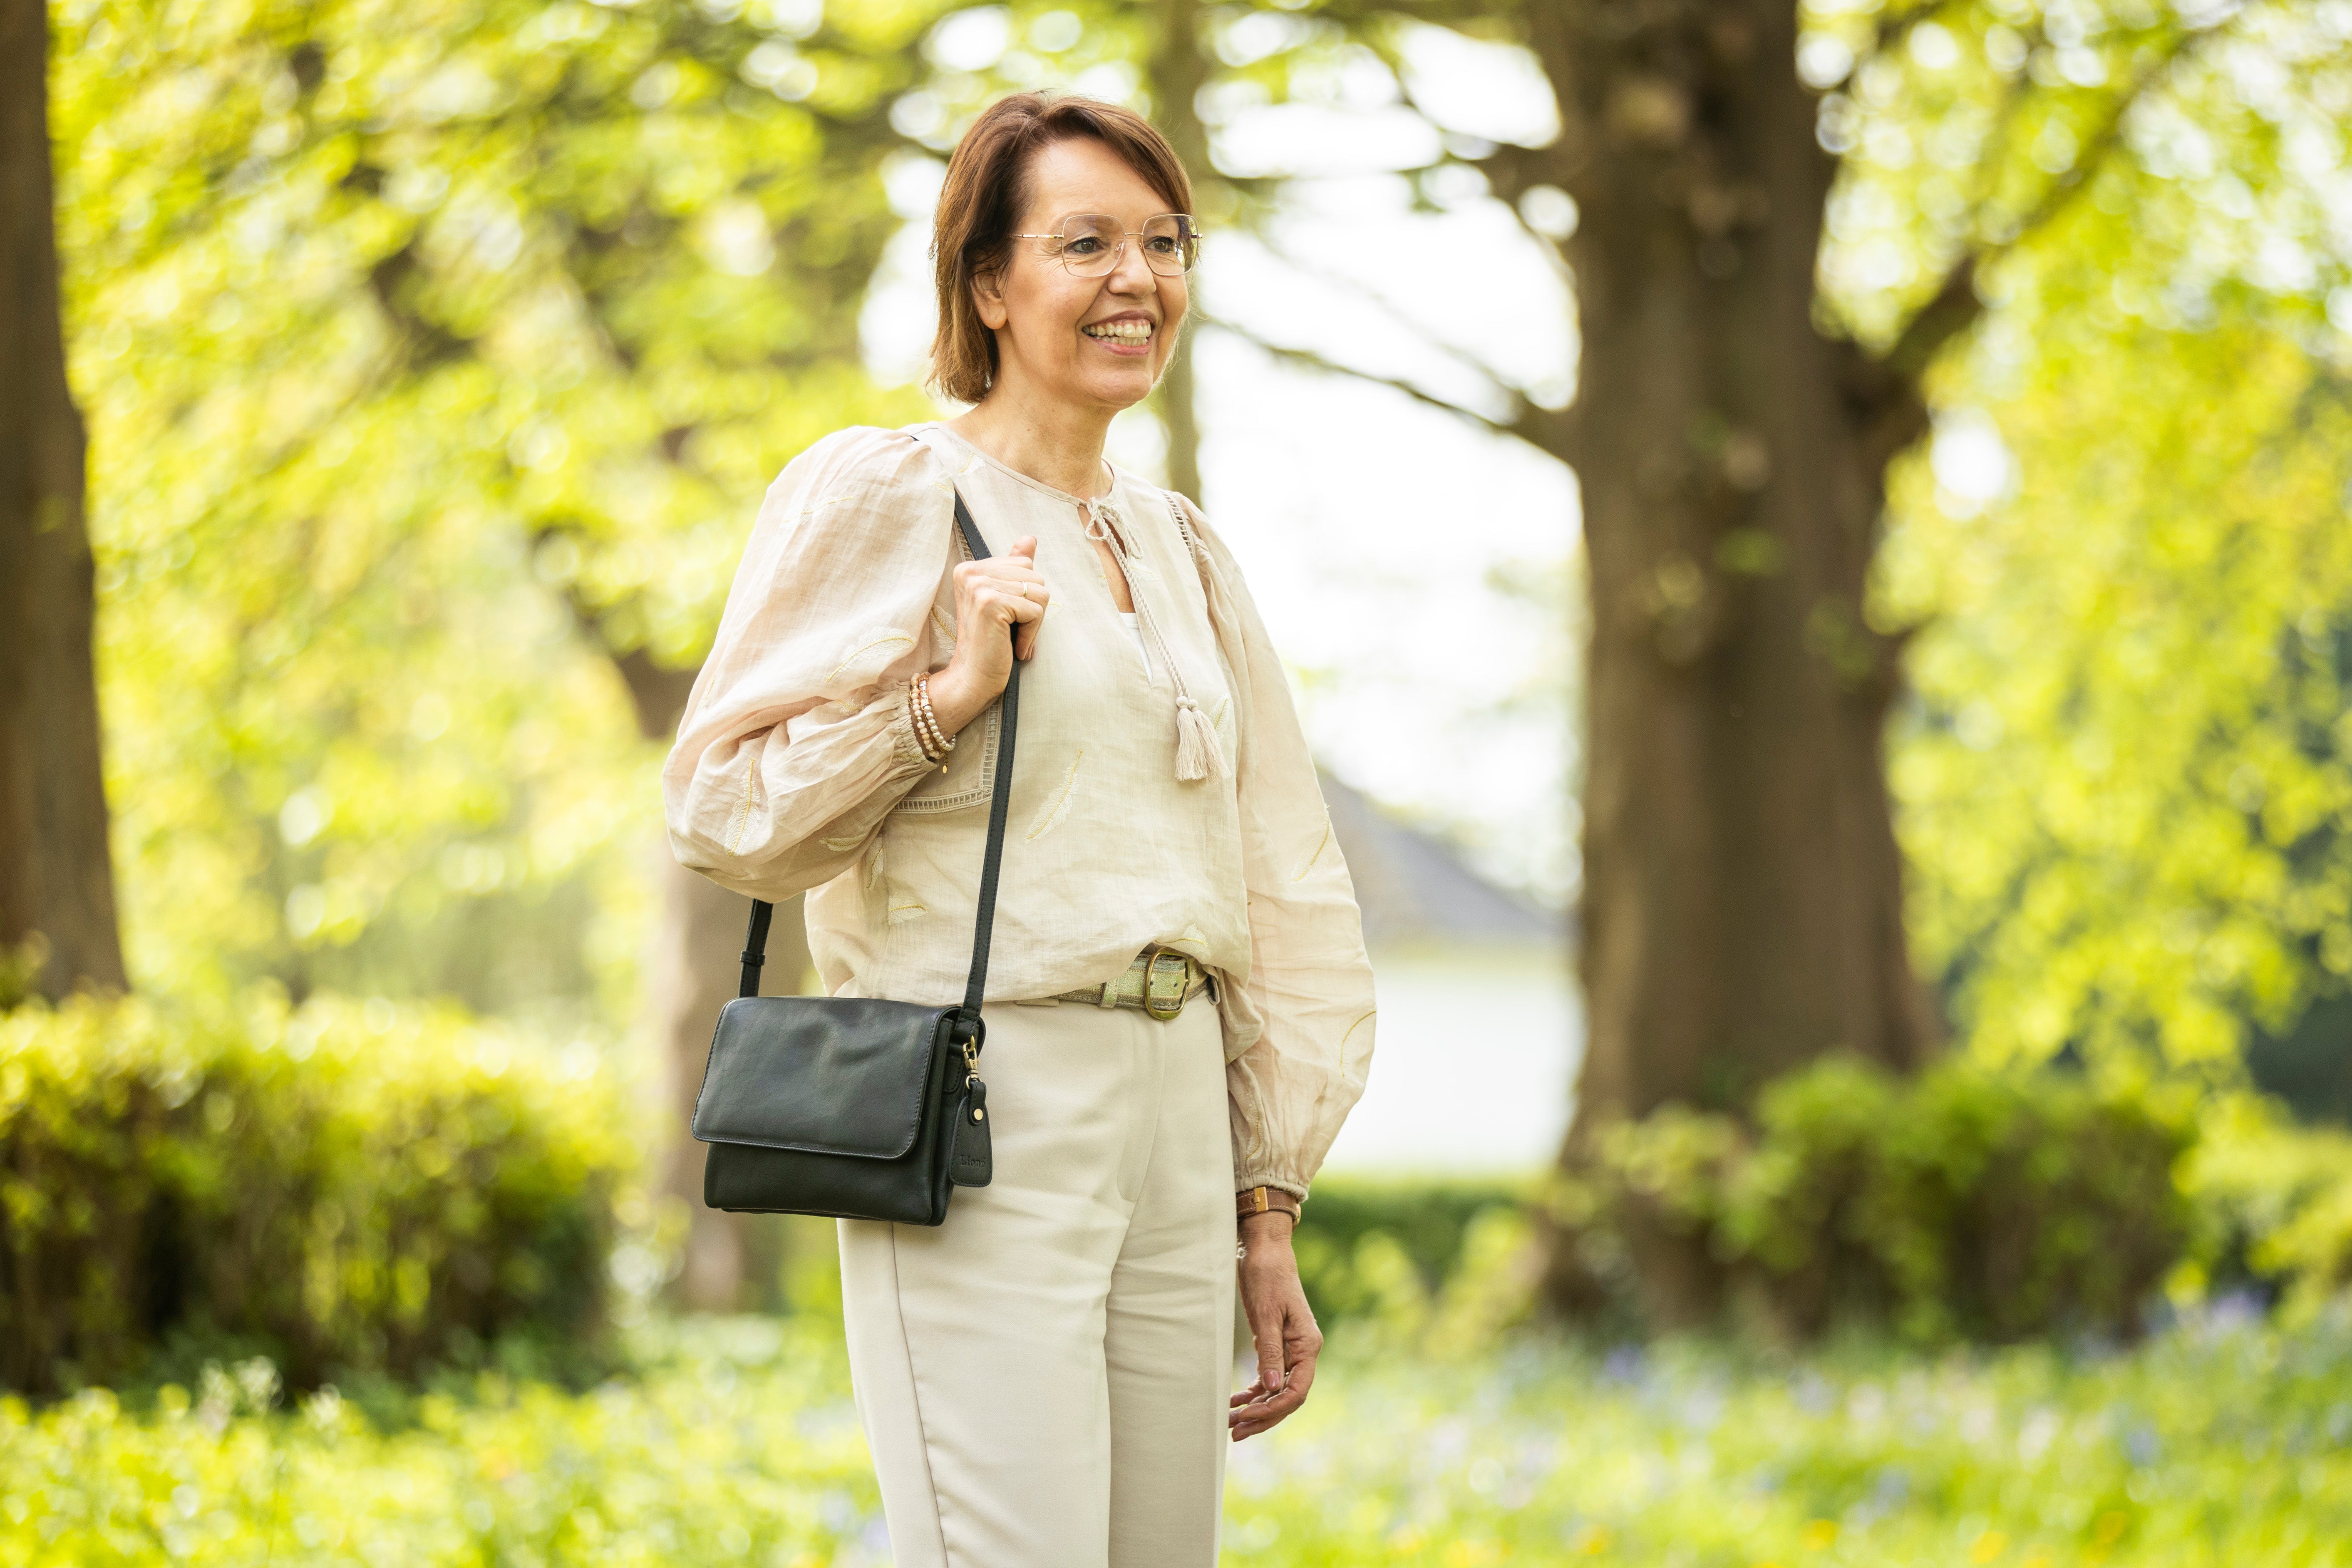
(1265, 1200)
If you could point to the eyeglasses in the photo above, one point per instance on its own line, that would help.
(1091, 245)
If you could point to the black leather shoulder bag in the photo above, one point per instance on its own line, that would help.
(854, 1106)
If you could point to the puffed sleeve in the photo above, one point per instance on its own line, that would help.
(1298, 1029)
(796, 739)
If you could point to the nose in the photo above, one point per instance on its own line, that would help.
(1130, 273)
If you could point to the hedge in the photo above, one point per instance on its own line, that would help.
(1965, 1201)
(1366, 1241)
(1961, 1202)
(2274, 1205)
(348, 1188)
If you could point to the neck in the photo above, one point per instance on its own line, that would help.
(1052, 442)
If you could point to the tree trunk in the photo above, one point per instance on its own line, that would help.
(692, 973)
(1175, 72)
(56, 877)
(1742, 904)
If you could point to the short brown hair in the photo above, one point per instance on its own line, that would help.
(986, 191)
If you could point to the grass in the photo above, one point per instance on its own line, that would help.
(2222, 1441)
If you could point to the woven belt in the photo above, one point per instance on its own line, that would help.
(1159, 981)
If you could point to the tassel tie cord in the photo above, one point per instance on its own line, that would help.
(1198, 754)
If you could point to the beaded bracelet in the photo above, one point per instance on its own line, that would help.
(936, 743)
(940, 738)
(915, 719)
(914, 722)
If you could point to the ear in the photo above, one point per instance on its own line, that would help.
(988, 298)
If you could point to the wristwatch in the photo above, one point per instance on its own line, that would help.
(1264, 1200)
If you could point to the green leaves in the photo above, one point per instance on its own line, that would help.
(2128, 781)
(2124, 783)
(436, 358)
(740, 1446)
(361, 1191)
(2220, 1445)
(1960, 1202)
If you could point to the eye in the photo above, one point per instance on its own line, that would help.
(1162, 243)
(1084, 244)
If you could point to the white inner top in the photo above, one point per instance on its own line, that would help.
(1135, 624)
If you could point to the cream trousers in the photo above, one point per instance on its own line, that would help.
(1043, 1378)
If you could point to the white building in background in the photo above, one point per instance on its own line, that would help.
(1479, 1026)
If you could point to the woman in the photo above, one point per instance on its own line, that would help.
(1041, 1377)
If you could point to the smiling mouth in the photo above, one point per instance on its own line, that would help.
(1126, 334)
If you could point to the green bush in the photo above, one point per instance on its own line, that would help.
(1965, 1202)
(2274, 1203)
(349, 1189)
(1961, 1202)
(1352, 1226)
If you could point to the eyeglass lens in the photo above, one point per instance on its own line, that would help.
(1090, 244)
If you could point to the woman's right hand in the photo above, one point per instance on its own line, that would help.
(993, 595)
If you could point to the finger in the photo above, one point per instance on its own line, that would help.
(1016, 568)
(1261, 1407)
(1301, 1378)
(975, 587)
(1013, 583)
(1257, 1419)
(1256, 1392)
(1024, 549)
(1269, 1355)
(1273, 1407)
(1008, 607)
(1256, 1422)
(1033, 589)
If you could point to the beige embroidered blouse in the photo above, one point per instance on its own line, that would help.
(1163, 791)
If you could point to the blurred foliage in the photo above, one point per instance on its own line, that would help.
(2217, 1444)
(2126, 777)
(1971, 1203)
(2214, 1445)
(1374, 1289)
(2274, 1203)
(1975, 1201)
(1425, 1223)
(436, 356)
(1964, 1201)
(2309, 1067)
(353, 1188)
(740, 1444)
(2130, 779)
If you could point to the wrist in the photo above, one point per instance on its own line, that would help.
(1261, 1203)
(1274, 1225)
(955, 700)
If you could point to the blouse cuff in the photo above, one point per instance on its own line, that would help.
(904, 742)
(1246, 1177)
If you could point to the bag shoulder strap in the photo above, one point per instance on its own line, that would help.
(1000, 807)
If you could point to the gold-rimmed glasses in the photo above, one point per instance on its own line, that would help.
(1090, 244)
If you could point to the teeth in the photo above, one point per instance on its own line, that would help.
(1121, 331)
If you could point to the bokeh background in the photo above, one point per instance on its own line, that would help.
(1812, 546)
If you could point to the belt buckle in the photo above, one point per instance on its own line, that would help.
(1164, 983)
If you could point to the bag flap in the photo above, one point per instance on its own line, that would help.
(831, 1074)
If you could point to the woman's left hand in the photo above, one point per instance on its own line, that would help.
(1280, 1322)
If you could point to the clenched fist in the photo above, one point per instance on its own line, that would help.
(999, 596)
